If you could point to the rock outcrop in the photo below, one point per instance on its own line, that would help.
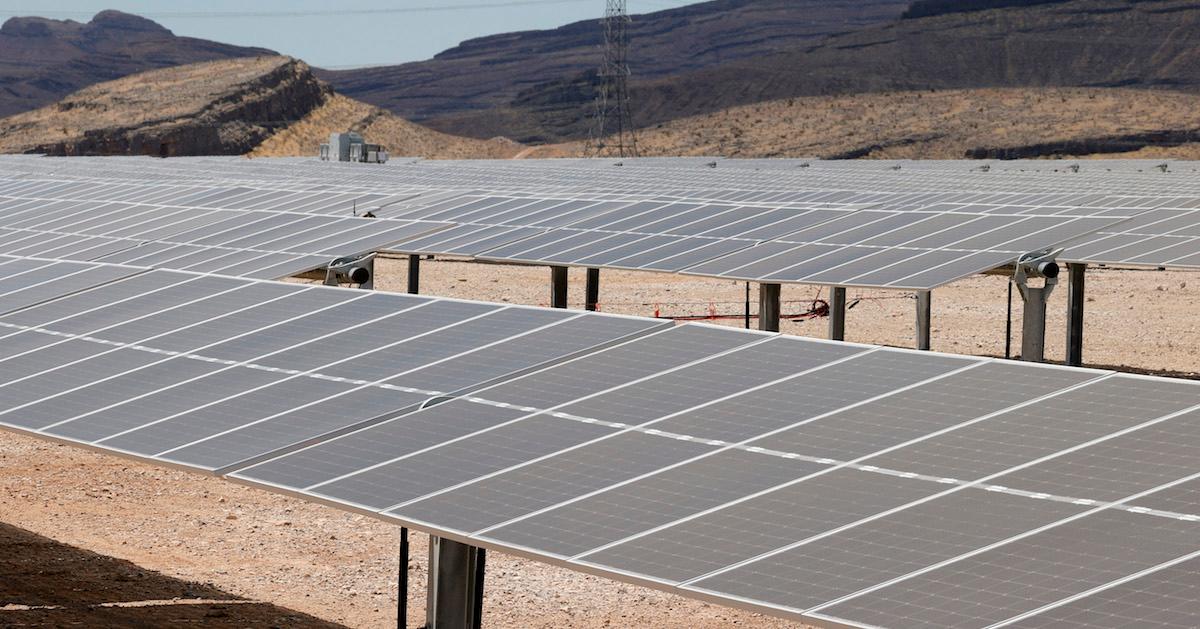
(215, 108)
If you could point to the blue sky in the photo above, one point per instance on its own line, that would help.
(344, 33)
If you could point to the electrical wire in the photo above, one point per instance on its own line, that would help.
(437, 8)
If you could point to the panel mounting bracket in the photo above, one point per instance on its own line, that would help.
(358, 270)
(1033, 326)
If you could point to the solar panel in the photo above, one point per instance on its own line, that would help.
(250, 368)
(25, 283)
(1159, 238)
(844, 510)
(898, 249)
(280, 251)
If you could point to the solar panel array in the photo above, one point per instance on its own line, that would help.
(829, 482)
(44, 221)
(759, 221)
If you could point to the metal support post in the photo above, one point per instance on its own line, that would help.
(402, 586)
(768, 307)
(924, 314)
(837, 313)
(1076, 278)
(414, 275)
(1033, 323)
(747, 305)
(558, 287)
(592, 301)
(455, 598)
(1008, 326)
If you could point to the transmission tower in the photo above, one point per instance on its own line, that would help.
(613, 132)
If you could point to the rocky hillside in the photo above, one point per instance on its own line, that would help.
(214, 108)
(401, 137)
(951, 124)
(42, 60)
(1077, 43)
(1083, 43)
(264, 106)
(928, 8)
(491, 73)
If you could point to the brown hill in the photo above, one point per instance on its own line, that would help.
(1079, 43)
(951, 124)
(43, 60)
(1091, 43)
(401, 137)
(270, 106)
(489, 73)
(214, 108)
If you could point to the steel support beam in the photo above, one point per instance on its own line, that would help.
(924, 315)
(1033, 324)
(747, 305)
(592, 301)
(768, 307)
(558, 287)
(455, 597)
(1076, 279)
(414, 275)
(402, 585)
(837, 313)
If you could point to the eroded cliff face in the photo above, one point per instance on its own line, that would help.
(216, 108)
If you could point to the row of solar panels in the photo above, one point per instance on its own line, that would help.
(1169, 241)
(875, 248)
(828, 482)
(865, 247)
(342, 199)
(257, 244)
(1082, 178)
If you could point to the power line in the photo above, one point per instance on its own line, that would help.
(614, 131)
(326, 13)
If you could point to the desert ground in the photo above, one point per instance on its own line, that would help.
(179, 548)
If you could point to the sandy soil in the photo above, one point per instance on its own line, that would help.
(59, 585)
(342, 568)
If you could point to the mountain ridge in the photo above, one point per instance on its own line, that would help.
(1149, 44)
(490, 72)
(43, 60)
(256, 106)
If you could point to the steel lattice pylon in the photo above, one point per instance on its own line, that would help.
(613, 132)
